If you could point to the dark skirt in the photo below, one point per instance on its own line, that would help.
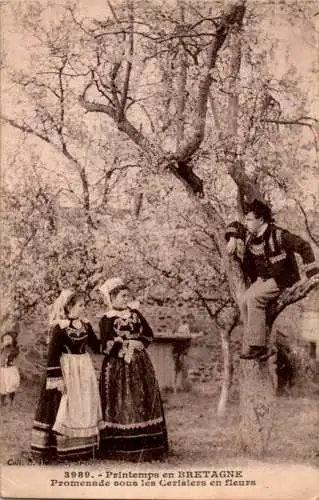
(135, 428)
(47, 445)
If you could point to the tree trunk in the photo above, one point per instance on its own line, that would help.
(257, 404)
(258, 379)
(224, 394)
(257, 383)
(256, 386)
(228, 366)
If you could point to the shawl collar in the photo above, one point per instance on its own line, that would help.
(123, 314)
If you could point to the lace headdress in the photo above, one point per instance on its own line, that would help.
(57, 312)
(110, 285)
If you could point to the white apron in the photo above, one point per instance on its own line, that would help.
(79, 413)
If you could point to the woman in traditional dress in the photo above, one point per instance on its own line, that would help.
(69, 416)
(132, 409)
(9, 373)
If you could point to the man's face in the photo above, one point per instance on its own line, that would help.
(252, 223)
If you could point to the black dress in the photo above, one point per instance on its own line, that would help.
(132, 409)
(67, 425)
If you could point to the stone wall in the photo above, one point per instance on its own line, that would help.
(205, 361)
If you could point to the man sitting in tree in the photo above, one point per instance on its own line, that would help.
(269, 266)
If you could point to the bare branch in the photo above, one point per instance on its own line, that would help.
(308, 229)
(302, 121)
(113, 11)
(61, 97)
(67, 154)
(63, 177)
(26, 129)
(78, 23)
(164, 272)
(101, 87)
(212, 314)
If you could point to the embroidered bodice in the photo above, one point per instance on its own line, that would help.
(75, 340)
(131, 326)
(69, 340)
(128, 328)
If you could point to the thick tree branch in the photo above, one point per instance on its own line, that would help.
(123, 123)
(114, 90)
(181, 84)
(248, 189)
(129, 59)
(121, 103)
(181, 171)
(233, 93)
(230, 136)
(291, 295)
(233, 15)
(216, 117)
(179, 164)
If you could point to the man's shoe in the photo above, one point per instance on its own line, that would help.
(254, 352)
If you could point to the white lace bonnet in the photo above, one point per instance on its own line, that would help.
(57, 311)
(109, 286)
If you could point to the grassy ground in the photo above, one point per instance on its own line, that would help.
(196, 435)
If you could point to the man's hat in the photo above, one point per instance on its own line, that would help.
(260, 209)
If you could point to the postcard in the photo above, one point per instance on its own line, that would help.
(159, 249)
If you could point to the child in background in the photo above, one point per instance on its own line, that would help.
(9, 373)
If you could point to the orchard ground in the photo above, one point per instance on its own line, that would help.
(196, 435)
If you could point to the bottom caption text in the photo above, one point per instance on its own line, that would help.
(131, 479)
